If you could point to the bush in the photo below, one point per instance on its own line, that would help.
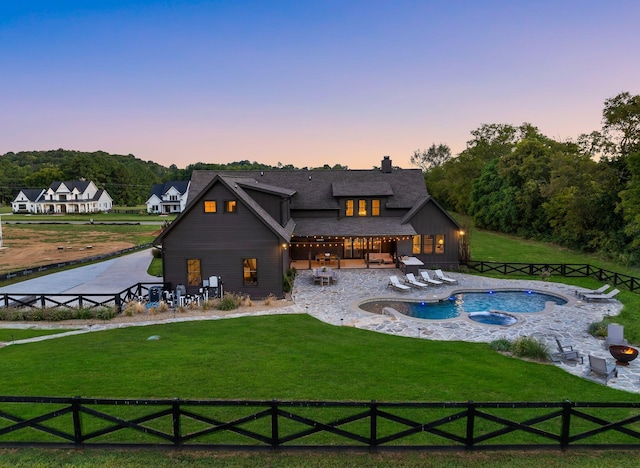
(289, 278)
(501, 344)
(106, 313)
(529, 347)
(230, 301)
(598, 329)
(156, 253)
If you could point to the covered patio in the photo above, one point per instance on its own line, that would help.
(348, 242)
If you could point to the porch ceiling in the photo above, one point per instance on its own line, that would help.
(352, 227)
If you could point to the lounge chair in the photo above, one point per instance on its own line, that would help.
(601, 367)
(424, 276)
(395, 283)
(412, 281)
(441, 276)
(615, 335)
(567, 353)
(601, 297)
(600, 290)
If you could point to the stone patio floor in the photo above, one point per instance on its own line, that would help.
(337, 304)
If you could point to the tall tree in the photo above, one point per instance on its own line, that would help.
(435, 156)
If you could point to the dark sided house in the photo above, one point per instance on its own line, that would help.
(247, 227)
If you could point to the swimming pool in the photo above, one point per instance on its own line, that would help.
(468, 302)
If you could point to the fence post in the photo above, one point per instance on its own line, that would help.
(471, 413)
(175, 414)
(77, 425)
(373, 426)
(566, 424)
(275, 436)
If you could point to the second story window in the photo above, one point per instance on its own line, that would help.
(375, 207)
(362, 207)
(210, 206)
(230, 206)
(349, 208)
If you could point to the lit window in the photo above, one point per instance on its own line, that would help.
(230, 206)
(194, 276)
(250, 271)
(439, 243)
(416, 244)
(349, 208)
(427, 244)
(210, 206)
(362, 207)
(375, 207)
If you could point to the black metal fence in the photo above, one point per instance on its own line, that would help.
(53, 266)
(560, 269)
(138, 291)
(242, 424)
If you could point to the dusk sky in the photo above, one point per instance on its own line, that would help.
(305, 82)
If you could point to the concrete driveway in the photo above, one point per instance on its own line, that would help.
(110, 276)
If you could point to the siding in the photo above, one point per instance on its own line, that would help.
(221, 241)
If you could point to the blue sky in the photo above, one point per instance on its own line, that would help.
(305, 82)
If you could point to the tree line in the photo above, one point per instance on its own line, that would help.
(583, 194)
(126, 178)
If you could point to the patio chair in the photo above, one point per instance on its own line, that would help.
(615, 335)
(395, 283)
(441, 276)
(334, 276)
(601, 297)
(601, 368)
(567, 353)
(412, 281)
(424, 276)
(600, 290)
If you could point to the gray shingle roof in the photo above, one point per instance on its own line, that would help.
(353, 227)
(314, 190)
(160, 189)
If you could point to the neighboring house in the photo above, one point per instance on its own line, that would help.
(27, 201)
(71, 196)
(246, 227)
(169, 197)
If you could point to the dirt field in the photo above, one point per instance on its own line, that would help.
(27, 248)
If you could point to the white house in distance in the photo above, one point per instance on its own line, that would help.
(168, 197)
(71, 196)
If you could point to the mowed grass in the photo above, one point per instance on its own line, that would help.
(11, 334)
(283, 357)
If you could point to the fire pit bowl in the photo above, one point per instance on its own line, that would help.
(623, 354)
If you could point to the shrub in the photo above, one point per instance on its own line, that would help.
(106, 313)
(134, 307)
(56, 315)
(230, 301)
(246, 301)
(529, 347)
(501, 344)
(156, 253)
(84, 314)
(269, 299)
(288, 279)
(598, 329)
(163, 306)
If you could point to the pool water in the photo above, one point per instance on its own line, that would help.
(468, 302)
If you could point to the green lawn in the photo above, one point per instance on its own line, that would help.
(284, 357)
(11, 334)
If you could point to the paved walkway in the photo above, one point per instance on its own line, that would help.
(337, 304)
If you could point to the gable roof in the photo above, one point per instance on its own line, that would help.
(418, 206)
(32, 194)
(284, 232)
(159, 189)
(81, 185)
(320, 189)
